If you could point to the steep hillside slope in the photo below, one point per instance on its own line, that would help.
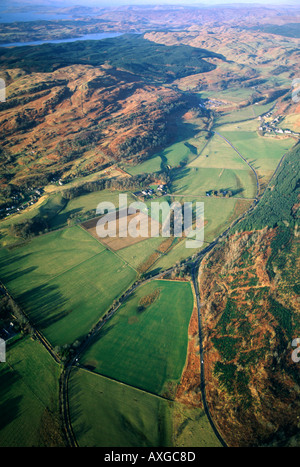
(249, 290)
(75, 108)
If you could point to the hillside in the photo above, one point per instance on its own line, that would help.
(79, 20)
(250, 310)
(130, 52)
(95, 105)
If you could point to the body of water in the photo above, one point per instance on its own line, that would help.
(32, 16)
(85, 37)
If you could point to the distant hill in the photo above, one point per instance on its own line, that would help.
(287, 30)
(130, 52)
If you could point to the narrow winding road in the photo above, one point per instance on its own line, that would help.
(202, 373)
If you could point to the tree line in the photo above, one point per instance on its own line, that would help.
(41, 223)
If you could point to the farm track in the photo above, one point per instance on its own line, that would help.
(64, 408)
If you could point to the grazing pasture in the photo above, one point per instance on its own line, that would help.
(65, 281)
(218, 154)
(194, 181)
(218, 215)
(262, 152)
(245, 113)
(129, 417)
(146, 347)
(29, 395)
(142, 255)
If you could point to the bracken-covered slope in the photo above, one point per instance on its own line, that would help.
(88, 104)
(250, 315)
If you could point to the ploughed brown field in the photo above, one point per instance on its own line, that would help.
(119, 236)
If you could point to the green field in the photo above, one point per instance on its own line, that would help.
(45, 257)
(189, 144)
(57, 210)
(146, 349)
(217, 167)
(29, 397)
(218, 215)
(232, 94)
(195, 181)
(131, 417)
(136, 255)
(178, 253)
(172, 156)
(105, 413)
(245, 113)
(65, 282)
(87, 203)
(218, 154)
(263, 152)
(151, 165)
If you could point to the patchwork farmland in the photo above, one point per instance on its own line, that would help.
(128, 341)
(64, 294)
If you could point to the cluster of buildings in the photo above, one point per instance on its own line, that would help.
(210, 103)
(271, 126)
(149, 192)
(20, 204)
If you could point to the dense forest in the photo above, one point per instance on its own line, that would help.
(278, 205)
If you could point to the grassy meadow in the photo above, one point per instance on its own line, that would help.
(219, 213)
(263, 152)
(218, 155)
(195, 181)
(245, 113)
(65, 281)
(137, 255)
(146, 348)
(129, 417)
(29, 395)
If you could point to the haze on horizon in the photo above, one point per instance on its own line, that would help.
(106, 3)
